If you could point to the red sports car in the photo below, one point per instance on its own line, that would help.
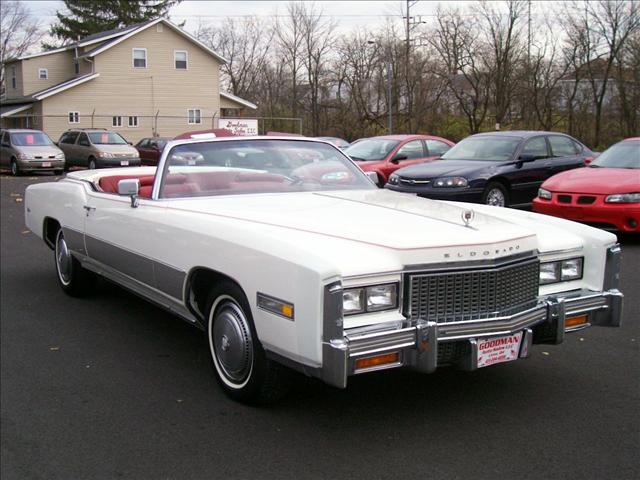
(605, 194)
(385, 154)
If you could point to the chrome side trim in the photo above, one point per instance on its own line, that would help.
(368, 344)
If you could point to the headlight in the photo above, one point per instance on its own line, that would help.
(23, 156)
(59, 155)
(542, 193)
(445, 182)
(393, 179)
(561, 271)
(370, 299)
(106, 155)
(623, 198)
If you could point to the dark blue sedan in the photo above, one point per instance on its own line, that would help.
(497, 168)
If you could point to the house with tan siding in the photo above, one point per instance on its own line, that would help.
(151, 79)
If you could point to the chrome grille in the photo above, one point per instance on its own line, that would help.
(472, 294)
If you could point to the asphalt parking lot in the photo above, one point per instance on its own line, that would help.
(113, 387)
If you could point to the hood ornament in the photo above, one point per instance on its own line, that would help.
(467, 217)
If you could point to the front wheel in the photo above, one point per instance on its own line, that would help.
(92, 164)
(15, 170)
(240, 363)
(496, 195)
(72, 277)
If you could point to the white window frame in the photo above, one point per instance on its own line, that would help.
(73, 117)
(159, 28)
(199, 116)
(175, 60)
(46, 74)
(133, 59)
(116, 121)
(14, 80)
(132, 121)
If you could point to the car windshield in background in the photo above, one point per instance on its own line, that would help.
(371, 149)
(106, 138)
(29, 139)
(493, 149)
(620, 155)
(257, 166)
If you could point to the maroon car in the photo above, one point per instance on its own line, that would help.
(386, 154)
(150, 149)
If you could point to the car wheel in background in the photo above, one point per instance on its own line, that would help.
(92, 163)
(15, 169)
(496, 195)
(240, 363)
(74, 280)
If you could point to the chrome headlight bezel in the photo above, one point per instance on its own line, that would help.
(450, 182)
(559, 270)
(364, 298)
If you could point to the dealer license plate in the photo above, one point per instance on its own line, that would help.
(498, 349)
(124, 163)
(46, 164)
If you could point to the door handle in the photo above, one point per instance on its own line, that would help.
(88, 209)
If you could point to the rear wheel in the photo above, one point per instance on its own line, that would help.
(240, 363)
(72, 277)
(15, 169)
(496, 195)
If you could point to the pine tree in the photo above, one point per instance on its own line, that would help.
(86, 17)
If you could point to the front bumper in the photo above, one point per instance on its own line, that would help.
(117, 161)
(418, 344)
(624, 217)
(465, 194)
(37, 165)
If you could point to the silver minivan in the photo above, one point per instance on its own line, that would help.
(97, 148)
(24, 150)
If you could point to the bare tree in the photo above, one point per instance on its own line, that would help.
(245, 44)
(18, 34)
(290, 37)
(455, 42)
(317, 44)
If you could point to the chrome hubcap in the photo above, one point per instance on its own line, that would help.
(232, 342)
(495, 197)
(14, 168)
(92, 165)
(63, 259)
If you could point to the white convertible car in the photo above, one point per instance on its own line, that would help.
(288, 256)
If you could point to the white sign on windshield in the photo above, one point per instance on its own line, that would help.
(240, 126)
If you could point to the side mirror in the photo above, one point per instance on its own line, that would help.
(373, 176)
(527, 157)
(130, 187)
(588, 160)
(397, 157)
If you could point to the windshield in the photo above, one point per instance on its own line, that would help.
(257, 166)
(30, 139)
(492, 149)
(620, 155)
(371, 149)
(106, 138)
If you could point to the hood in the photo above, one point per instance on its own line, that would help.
(440, 168)
(379, 219)
(603, 181)
(43, 151)
(118, 149)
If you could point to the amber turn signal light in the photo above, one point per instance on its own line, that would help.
(575, 321)
(378, 360)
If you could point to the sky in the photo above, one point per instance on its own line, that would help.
(348, 14)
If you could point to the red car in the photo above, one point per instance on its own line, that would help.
(605, 194)
(387, 153)
(150, 149)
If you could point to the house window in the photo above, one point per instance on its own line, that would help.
(13, 78)
(43, 73)
(116, 121)
(133, 121)
(195, 116)
(74, 117)
(139, 58)
(180, 59)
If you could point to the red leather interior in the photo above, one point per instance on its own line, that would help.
(180, 184)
